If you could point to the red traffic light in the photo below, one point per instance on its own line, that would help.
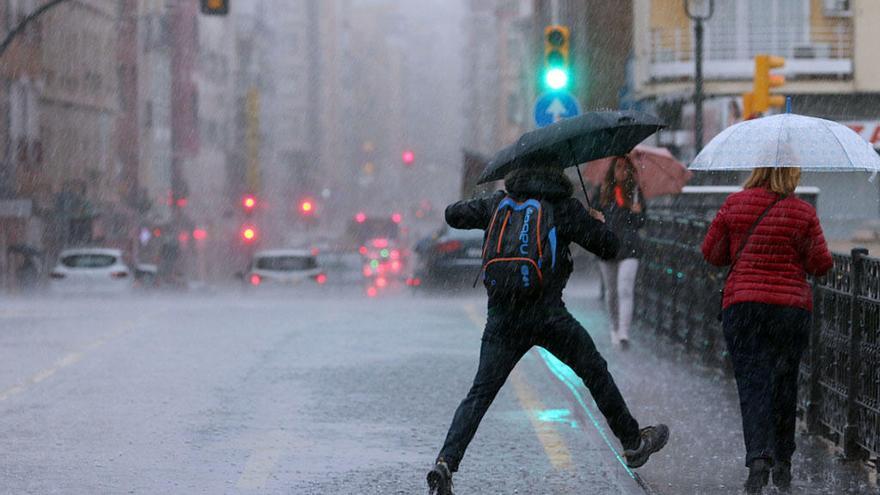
(408, 157)
(396, 218)
(249, 202)
(249, 233)
(306, 206)
(361, 217)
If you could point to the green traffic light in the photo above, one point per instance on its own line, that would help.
(556, 78)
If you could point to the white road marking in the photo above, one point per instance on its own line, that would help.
(64, 362)
(264, 456)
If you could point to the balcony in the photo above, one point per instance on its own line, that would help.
(822, 53)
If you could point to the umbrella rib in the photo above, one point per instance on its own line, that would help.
(845, 151)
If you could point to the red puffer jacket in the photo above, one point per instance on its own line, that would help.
(786, 246)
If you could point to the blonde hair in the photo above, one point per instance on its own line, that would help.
(781, 180)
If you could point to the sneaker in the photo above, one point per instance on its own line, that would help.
(440, 480)
(782, 476)
(759, 474)
(651, 439)
(624, 344)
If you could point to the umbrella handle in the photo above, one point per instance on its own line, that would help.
(584, 187)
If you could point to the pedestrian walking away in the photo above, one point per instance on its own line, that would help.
(621, 203)
(527, 263)
(772, 240)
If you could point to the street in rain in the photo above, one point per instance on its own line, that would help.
(440, 247)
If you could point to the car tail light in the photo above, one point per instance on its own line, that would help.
(56, 275)
(395, 254)
(380, 243)
(381, 282)
(119, 274)
(413, 282)
(395, 266)
(368, 271)
(255, 280)
(371, 291)
(363, 250)
(449, 246)
(321, 278)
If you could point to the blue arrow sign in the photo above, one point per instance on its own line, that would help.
(553, 107)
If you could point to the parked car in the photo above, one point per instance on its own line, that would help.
(448, 258)
(89, 270)
(284, 267)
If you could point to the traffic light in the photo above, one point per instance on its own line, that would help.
(248, 233)
(215, 7)
(556, 58)
(249, 203)
(307, 207)
(408, 157)
(762, 99)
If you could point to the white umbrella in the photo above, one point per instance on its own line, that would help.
(788, 140)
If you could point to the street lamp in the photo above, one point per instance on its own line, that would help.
(698, 11)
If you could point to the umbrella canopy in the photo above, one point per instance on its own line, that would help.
(788, 140)
(658, 171)
(573, 141)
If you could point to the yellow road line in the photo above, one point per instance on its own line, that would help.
(554, 446)
(64, 362)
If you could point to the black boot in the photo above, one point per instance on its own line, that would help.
(651, 439)
(782, 476)
(759, 475)
(440, 480)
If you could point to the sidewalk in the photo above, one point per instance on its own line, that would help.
(705, 452)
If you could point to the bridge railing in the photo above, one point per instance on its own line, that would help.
(678, 297)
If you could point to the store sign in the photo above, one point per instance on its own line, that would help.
(867, 129)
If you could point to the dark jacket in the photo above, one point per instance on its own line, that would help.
(625, 224)
(572, 221)
(783, 249)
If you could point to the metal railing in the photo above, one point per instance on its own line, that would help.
(729, 56)
(678, 297)
(675, 44)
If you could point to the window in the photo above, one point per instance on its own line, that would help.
(88, 261)
(837, 8)
(286, 263)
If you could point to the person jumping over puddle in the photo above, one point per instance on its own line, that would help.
(526, 264)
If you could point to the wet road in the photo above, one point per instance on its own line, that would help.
(329, 392)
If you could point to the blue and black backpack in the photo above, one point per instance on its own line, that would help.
(519, 250)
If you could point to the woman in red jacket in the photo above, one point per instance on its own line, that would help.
(767, 309)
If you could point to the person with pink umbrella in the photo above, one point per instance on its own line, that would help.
(624, 183)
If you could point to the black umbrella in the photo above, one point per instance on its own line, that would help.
(570, 142)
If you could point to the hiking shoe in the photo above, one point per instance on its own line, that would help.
(651, 439)
(782, 476)
(440, 480)
(759, 474)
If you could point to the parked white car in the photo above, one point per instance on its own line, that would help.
(280, 267)
(91, 270)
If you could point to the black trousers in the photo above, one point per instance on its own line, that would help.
(766, 343)
(509, 334)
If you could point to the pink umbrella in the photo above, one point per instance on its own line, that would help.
(659, 172)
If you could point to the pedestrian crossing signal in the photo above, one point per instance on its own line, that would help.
(215, 7)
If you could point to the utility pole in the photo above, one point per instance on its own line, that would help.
(698, 18)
